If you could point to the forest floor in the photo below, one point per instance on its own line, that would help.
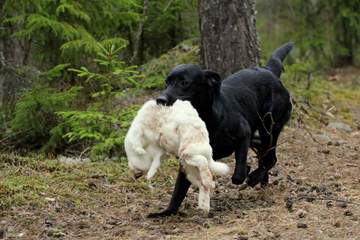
(314, 193)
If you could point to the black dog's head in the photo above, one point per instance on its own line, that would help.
(189, 82)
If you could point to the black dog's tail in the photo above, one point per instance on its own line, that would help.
(275, 62)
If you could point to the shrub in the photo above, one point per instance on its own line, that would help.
(100, 128)
(102, 133)
(35, 114)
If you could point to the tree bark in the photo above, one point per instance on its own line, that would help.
(228, 35)
(138, 37)
(14, 54)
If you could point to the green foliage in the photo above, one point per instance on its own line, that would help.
(56, 71)
(92, 127)
(111, 76)
(83, 49)
(69, 27)
(70, 30)
(325, 32)
(100, 127)
(104, 133)
(169, 23)
(49, 119)
(346, 26)
(35, 114)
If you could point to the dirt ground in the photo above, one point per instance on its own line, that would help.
(314, 194)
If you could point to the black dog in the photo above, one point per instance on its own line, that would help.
(233, 109)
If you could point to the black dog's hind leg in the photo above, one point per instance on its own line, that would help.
(267, 159)
(181, 188)
(241, 169)
(269, 134)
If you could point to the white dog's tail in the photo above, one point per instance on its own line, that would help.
(219, 168)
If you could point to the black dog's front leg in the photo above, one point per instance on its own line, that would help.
(181, 188)
(241, 168)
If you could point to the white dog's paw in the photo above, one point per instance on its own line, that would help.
(204, 200)
(140, 150)
(204, 207)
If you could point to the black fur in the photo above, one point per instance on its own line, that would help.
(233, 109)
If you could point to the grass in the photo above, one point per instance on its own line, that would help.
(31, 181)
(318, 100)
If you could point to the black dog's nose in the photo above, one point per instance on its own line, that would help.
(162, 100)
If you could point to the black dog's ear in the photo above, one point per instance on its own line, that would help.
(213, 79)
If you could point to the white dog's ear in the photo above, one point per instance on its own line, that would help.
(212, 78)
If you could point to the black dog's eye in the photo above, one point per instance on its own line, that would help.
(184, 83)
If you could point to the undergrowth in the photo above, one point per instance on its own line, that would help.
(317, 100)
(86, 118)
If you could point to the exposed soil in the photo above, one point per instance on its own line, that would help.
(314, 194)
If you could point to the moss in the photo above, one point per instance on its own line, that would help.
(156, 70)
(317, 99)
(32, 181)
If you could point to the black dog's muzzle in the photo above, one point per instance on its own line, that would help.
(162, 100)
(165, 99)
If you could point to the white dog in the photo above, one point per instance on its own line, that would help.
(158, 130)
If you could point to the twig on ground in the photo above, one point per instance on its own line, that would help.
(243, 186)
(299, 197)
(83, 152)
(302, 124)
(351, 165)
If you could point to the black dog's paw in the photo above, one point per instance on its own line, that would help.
(265, 181)
(237, 180)
(255, 177)
(164, 213)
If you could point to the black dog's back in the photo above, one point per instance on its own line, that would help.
(261, 82)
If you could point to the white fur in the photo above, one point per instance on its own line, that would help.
(157, 130)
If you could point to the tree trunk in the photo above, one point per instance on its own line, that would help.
(14, 53)
(228, 35)
(139, 35)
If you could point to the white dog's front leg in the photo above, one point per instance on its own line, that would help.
(154, 167)
(204, 199)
